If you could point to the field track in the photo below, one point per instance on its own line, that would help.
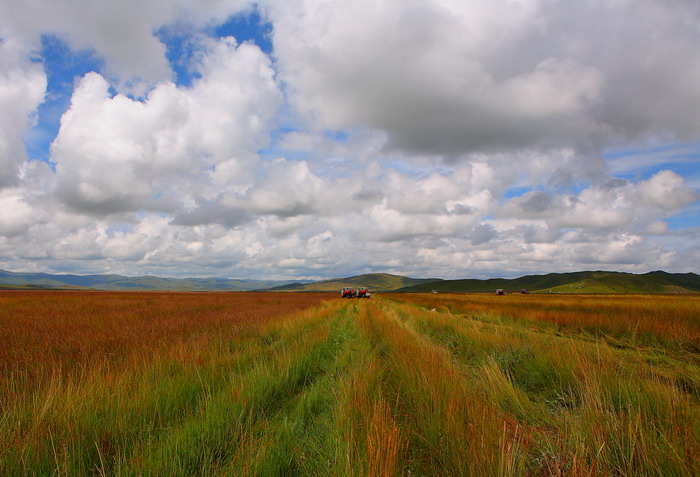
(309, 384)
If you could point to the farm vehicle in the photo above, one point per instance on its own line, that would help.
(349, 292)
(363, 292)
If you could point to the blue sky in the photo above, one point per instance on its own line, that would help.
(257, 140)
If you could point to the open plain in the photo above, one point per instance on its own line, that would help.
(122, 383)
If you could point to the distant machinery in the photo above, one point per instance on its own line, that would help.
(347, 292)
(360, 292)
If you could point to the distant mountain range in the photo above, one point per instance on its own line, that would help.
(119, 282)
(576, 282)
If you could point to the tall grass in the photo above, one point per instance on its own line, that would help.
(588, 408)
(272, 384)
(666, 321)
(453, 430)
(89, 378)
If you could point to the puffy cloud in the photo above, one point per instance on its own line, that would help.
(255, 232)
(116, 154)
(16, 216)
(611, 204)
(22, 89)
(29, 203)
(450, 77)
(667, 190)
(428, 195)
(288, 189)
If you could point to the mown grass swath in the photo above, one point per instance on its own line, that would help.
(657, 320)
(300, 384)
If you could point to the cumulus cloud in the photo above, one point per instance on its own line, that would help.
(288, 189)
(448, 77)
(612, 204)
(116, 154)
(22, 89)
(667, 190)
(16, 215)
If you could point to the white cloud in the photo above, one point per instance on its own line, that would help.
(667, 190)
(288, 189)
(16, 216)
(322, 226)
(613, 204)
(115, 154)
(22, 89)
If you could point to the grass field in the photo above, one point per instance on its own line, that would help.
(309, 384)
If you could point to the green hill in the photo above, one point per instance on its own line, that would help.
(379, 282)
(652, 282)
(576, 282)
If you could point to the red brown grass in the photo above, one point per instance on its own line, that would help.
(66, 331)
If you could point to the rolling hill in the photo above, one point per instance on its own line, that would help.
(374, 281)
(575, 282)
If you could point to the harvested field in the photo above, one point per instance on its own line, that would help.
(309, 384)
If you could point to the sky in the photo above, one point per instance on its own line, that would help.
(314, 139)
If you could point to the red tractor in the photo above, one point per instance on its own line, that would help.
(347, 292)
(363, 292)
